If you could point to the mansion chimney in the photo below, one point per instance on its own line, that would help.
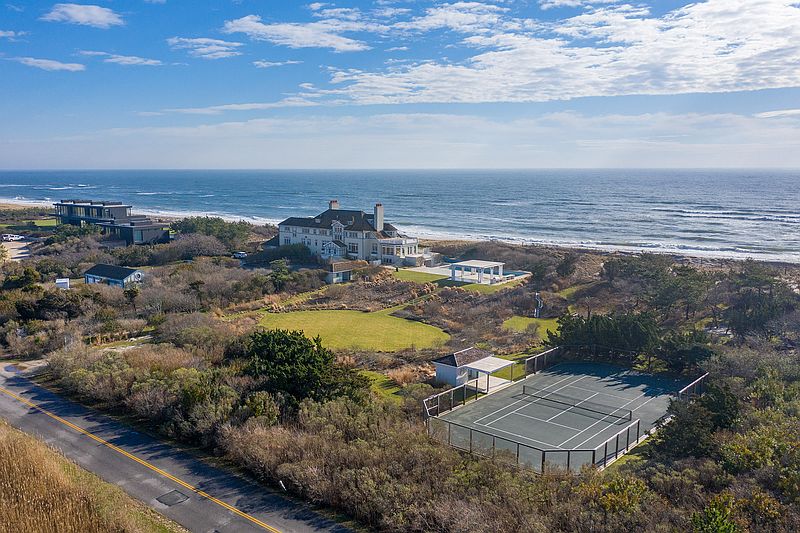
(333, 204)
(378, 220)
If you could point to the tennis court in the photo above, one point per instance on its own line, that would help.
(569, 415)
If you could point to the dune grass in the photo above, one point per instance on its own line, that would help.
(40, 490)
(520, 324)
(343, 330)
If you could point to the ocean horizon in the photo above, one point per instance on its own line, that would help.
(701, 213)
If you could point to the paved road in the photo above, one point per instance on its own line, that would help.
(151, 471)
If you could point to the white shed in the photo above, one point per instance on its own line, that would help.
(470, 364)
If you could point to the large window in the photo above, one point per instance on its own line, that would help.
(352, 247)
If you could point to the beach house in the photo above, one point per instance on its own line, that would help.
(115, 219)
(113, 275)
(351, 234)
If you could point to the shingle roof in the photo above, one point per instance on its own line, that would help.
(110, 272)
(353, 220)
(464, 357)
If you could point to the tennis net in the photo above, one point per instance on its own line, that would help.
(545, 398)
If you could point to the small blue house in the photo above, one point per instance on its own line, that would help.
(113, 275)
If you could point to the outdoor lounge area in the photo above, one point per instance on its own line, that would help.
(473, 271)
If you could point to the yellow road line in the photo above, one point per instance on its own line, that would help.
(141, 462)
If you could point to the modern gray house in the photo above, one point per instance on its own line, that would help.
(113, 275)
(115, 219)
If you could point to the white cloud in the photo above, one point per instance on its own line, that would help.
(321, 34)
(49, 64)
(779, 113)
(711, 46)
(269, 64)
(397, 49)
(122, 60)
(87, 15)
(11, 35)
(205, 48)
(467, 17)
(294, 101)
(550, 4)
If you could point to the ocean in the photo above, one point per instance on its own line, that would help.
(704, 213)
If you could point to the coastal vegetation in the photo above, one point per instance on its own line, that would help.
(228, 358)
(41, 491)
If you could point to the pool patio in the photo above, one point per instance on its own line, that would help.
(473, 271)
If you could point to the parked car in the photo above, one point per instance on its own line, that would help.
(240, 255)
(11, 237)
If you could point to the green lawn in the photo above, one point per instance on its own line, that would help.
(382, 385)
(480, 287)
(418, 277)
(570, 291)
(23, 224)
(520, 324)
(342, 330)
(519, 366)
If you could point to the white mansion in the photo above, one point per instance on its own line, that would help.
(345, 233)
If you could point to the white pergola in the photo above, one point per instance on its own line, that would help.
(477, 269)
(488, 366)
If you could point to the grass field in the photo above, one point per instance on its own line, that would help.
(519, 366)
(418, 277)
(342, 330)
(43, 491)
(382, 385)
(39, 223)
(570, 291)
(480, 287)
(520, 324)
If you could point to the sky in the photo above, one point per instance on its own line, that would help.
(399, 84)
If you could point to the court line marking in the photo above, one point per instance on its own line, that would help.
(619, 397)
(523, 437)
(572, 407)
(489, 425)
(645, 403)
(527, 403)
(518, 401)
(142, 462)
(602, 419)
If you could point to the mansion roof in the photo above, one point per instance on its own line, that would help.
(351, 219)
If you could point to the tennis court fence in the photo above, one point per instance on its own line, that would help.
(694, 389)
(471, 390)
(540, 460)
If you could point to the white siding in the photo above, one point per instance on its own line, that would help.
(450, 375)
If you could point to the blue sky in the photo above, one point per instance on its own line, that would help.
(399, 84)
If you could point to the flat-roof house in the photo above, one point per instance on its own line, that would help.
(470, 364)
(351, 234)
(115, 219)
(113, 275)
